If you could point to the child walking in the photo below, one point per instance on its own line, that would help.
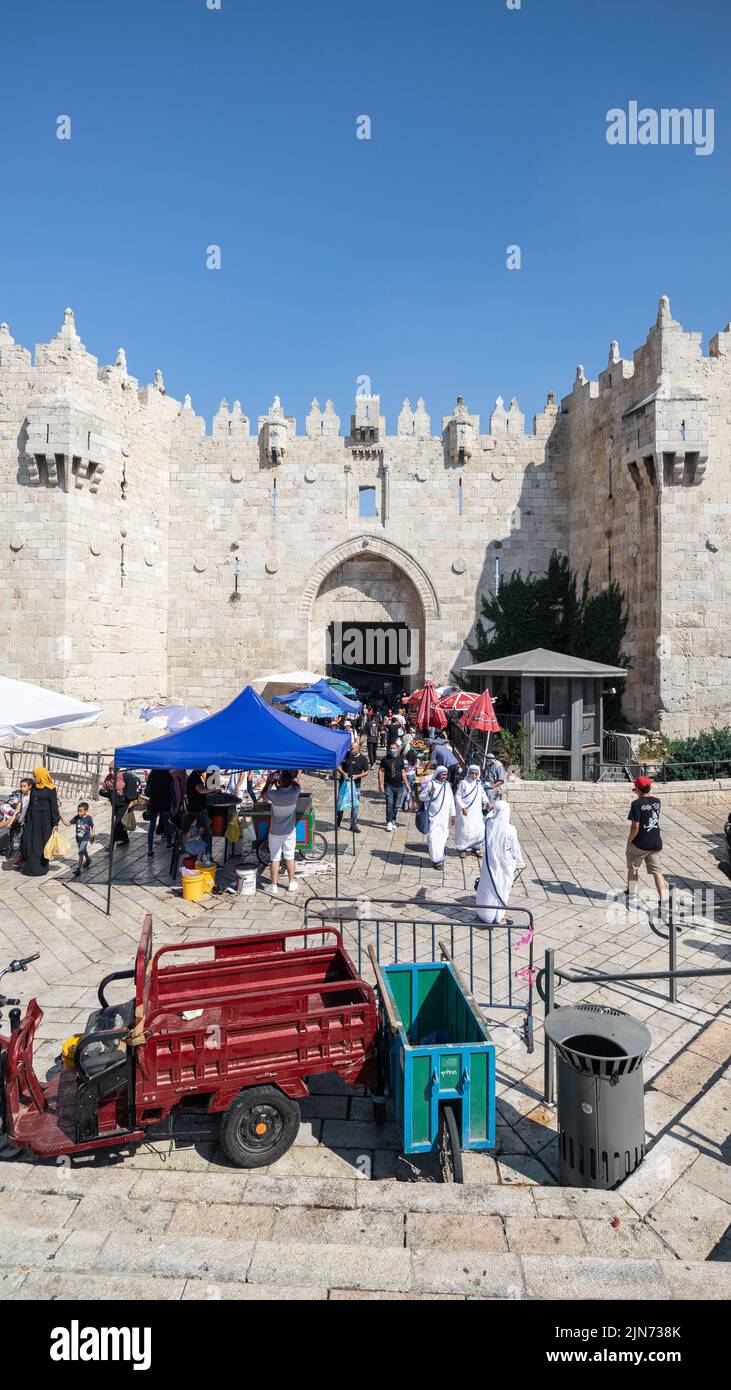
(84, 825)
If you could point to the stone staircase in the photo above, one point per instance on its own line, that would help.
(342, 1216)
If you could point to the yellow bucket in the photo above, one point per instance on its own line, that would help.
(193, 886)
(209, 875)
(68, 1051)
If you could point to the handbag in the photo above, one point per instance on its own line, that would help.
(422, 820)
(55, 846)
(128, 819)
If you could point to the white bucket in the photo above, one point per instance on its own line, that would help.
(245, 882)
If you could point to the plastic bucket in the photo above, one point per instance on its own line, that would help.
(245, 882)
(193, 885)
(209, 875)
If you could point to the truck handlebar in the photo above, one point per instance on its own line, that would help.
(25, 962)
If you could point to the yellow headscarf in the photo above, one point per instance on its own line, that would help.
(43, 778)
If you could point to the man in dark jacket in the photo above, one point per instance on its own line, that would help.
(159, 792)
(372, 733)
(127, 791)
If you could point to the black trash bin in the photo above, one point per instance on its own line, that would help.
(601, 1102)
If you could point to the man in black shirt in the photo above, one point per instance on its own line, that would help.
(645, 842)
(354, 767)
(392, 779)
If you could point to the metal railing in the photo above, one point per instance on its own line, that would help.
(617, 751)
(550, 976)
(485, 953)
(671, 766)
(70, 769)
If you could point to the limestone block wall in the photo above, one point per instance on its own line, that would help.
(294, 526)
(85, 482)
(648, 499)
(146, 560)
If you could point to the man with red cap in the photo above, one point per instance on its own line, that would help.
(644, 843)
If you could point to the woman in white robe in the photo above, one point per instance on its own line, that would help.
(502, 861)
(472, 801)
(439, 800)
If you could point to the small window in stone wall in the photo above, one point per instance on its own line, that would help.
(274, 497)
(459, 497)
(367, 501)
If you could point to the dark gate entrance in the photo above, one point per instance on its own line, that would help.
(373, 657)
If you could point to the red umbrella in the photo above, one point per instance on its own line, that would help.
(481, 715)
(429, 715)
(459, 700)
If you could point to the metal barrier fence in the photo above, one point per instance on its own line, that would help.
(497, 976)
(72, 771)
(551, 976)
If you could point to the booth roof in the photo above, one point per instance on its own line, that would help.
(247, 733)
(326, 692)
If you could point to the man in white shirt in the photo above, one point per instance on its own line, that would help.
(283, 825)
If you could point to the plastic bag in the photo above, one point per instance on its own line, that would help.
(128, 820)
(233, 830)
(55, 846)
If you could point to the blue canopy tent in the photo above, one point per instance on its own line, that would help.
(248, 733)
(325, 692)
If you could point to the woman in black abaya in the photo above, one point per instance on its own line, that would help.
(41, 818)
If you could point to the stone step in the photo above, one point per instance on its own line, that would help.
(42, 1262)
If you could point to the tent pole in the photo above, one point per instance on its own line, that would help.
(335, 810)
(352, 816)
(111, 840)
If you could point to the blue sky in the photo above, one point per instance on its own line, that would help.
(344, 257)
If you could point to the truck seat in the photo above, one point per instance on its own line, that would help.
(107, 1052)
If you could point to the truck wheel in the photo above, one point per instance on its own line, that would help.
(449, 1146)
(259, 1126)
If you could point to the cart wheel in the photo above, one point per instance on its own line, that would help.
(449, 1146)
(259, 1126)
(318, 848)
(262, 852)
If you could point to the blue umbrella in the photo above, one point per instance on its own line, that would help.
(173, 718)
(314, 706)
(324, 692)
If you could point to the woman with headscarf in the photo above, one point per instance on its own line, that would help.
(41, 817)
(439, 800)
(472, 802)
(502, 861)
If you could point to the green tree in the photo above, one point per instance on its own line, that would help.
(551, 610)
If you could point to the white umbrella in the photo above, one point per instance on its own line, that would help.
(26, 710)
(281, 682)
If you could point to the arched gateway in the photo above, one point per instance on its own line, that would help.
(368, 605)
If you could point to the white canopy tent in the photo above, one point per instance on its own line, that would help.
(26, 710)
(281, 682)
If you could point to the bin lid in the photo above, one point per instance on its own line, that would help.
(612, 1026)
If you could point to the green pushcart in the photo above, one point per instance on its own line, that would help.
(436, 1061)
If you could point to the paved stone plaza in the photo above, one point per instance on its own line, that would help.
(343, 1214)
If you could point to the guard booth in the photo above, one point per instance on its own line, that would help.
(558, 700)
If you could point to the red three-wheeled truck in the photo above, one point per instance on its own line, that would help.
(236, 1034)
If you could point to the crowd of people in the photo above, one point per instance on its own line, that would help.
(430, 779)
